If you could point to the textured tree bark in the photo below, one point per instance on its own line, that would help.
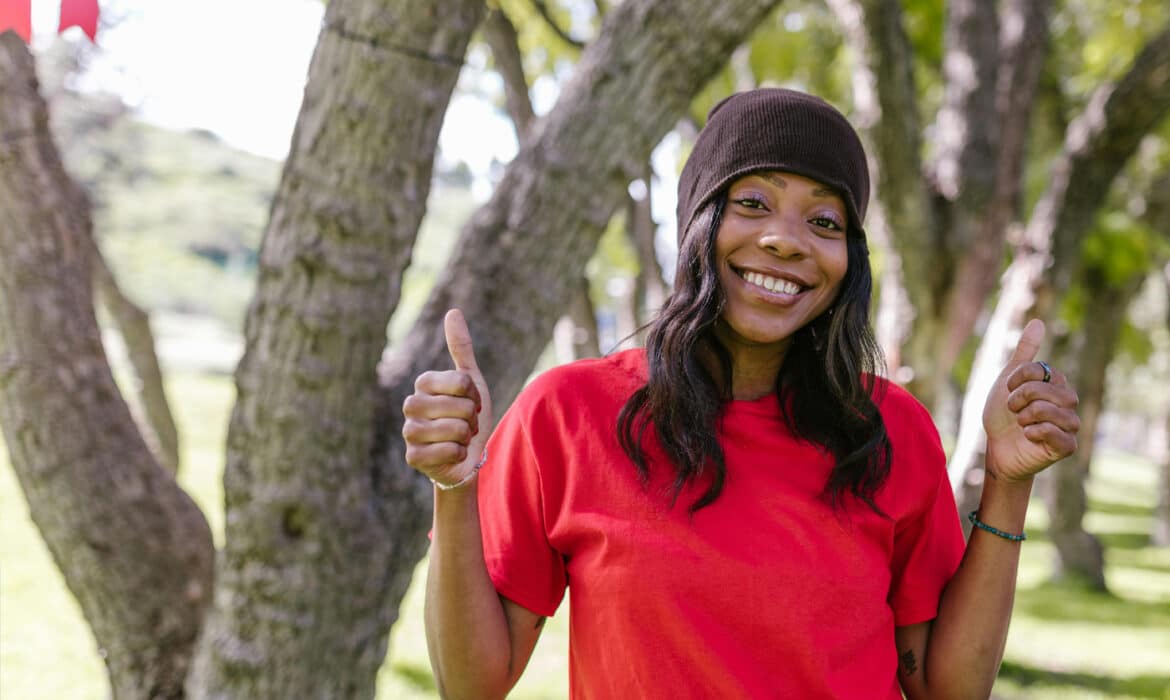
(989, 162)
(1097, 144)
(575, 334)
(948, 229)
(135, 551)
(631, 85)
(1079, 554)
(886, 111)
(500, 35)
(640, 73)
(650, 290)
(308, 586)
(157, 422)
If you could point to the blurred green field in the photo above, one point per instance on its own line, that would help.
(1064, 643)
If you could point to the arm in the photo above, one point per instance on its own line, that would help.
(479, 642)
(1031, 423)
(959, 652)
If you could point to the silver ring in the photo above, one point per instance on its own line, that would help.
(1047, 371)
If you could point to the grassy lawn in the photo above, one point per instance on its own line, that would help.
(1064, 643)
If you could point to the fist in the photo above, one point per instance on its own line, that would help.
(1030, 416)
(448, 418)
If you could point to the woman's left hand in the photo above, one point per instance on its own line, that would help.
(1030, 416)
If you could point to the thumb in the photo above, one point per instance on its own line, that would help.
(1029, 344)
(459, 341)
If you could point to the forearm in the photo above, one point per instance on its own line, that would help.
(967, 639)
(467, 631)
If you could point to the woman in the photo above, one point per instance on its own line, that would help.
(741, 509)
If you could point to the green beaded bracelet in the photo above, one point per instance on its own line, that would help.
(972, 516)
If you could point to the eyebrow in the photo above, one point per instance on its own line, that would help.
(782, 183)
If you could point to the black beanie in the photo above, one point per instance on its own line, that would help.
(775, 129)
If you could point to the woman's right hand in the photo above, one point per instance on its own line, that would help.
(448, 418)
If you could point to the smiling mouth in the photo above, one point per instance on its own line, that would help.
(770, 284)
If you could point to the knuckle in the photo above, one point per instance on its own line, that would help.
(409, 430)
(423, 380)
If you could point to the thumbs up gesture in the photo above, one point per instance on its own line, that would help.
(1030, 416)
(449, 416)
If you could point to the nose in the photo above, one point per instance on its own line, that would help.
(785, 237)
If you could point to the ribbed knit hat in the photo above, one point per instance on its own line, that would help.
(775, 129)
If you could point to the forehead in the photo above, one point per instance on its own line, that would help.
(782, 180)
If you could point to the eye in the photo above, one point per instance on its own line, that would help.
(826, 222)
(750, 201)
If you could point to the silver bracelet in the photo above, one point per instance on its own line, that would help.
(469, 477)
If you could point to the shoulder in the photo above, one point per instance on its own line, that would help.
(916, 448)
(900, 410)
(584, 384)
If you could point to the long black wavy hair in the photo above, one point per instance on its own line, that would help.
(825, 385)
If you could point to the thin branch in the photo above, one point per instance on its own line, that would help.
(966, 137)
(134, 325)
(988, 161)
(546, 14)
(500, 35)
(1097, 145)
(886, 111)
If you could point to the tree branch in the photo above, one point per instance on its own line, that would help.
(134, 325)
(500, 35)
(649, 60)
(966, 133)
(886, 112)
(133, 548)
(1097, 145)
(988, 163)
(546, 14)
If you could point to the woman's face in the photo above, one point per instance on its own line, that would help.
(781, 255)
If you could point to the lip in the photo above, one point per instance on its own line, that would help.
(786, 276)
(775, 298)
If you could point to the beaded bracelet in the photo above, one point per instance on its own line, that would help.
(469, 477)
(972, 516)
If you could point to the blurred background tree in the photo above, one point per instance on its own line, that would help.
(1023, 139)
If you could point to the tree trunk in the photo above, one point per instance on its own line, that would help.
(575, 335)
(1079, 554)
(641, 73)
(631, 85)
(157, 423)
(650, 290)
(308, 588)
(1097, 144)
(948, 229)
(133, 548)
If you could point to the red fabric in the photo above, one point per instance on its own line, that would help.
(80, 13)
(767, 593)
(17, 16)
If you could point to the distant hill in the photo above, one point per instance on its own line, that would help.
(180, 214)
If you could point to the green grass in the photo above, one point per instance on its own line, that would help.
(1064, 643)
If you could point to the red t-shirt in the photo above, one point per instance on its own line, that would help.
(767, 593)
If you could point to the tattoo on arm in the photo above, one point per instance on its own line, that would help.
(907, 662)
(539, 622)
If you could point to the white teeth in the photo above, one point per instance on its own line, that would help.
(772, 284)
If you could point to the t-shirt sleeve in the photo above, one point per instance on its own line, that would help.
(929, 546)
(523, 565)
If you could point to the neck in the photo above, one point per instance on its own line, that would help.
(754, 366)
